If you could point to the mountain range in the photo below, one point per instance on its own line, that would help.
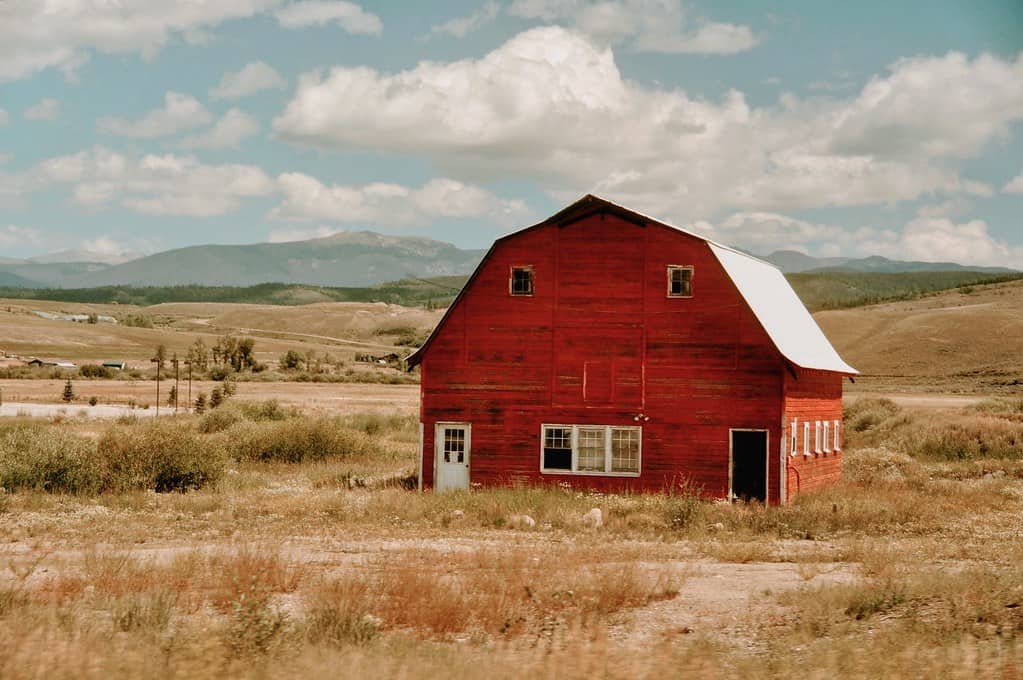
(361, 258)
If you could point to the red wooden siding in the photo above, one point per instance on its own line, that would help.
(812, 397)
(599, 342)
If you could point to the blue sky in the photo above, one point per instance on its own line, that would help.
(832, 128)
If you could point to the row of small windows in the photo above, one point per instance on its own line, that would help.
(591, 449)
(826, 436)
(680, 281)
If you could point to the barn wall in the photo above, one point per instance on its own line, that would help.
(812, 396)
(600, 342)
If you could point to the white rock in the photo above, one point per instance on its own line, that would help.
(594, 518)
(457, 514)
(521, 522)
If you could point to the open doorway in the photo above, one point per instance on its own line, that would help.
(748, 465)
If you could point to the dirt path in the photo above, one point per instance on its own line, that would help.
(921, 400)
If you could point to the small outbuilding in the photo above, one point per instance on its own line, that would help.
(604, 349)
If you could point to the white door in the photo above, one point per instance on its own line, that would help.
(453, 442)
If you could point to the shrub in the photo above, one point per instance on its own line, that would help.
(94, 371)
(219, 419)
(159, 457)
(298, 440)
(47, 458)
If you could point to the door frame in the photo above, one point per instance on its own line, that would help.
(767, 459)
(438, 443)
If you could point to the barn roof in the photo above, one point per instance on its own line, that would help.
(763, 286)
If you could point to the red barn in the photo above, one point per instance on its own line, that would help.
(604, 349)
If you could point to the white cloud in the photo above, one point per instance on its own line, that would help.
(462, 26)
(227, 133)
(644, 25)
(13, 236)
(155, 185)
(4, 117)
(551, 106)
(1014, 185)
(941, 240)
(253, 77)
(47, 108)
(306, 198)
(348, 15)
(39, 35)
(179, 112)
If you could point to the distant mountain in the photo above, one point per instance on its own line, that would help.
(793, 262)
(67, 256)
(36, 275)
(344, 259)
(14, 281)
(882, 265)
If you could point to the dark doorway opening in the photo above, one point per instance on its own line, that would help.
(749, 465)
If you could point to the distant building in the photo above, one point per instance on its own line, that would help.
(118, 365)
(603, 349)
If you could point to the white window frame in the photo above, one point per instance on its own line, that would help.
(817, 437)
(806, 438)
(608, 434)
(838, 438)
(794, 444)
(827, 437)
(681, 267)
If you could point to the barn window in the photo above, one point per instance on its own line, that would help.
(454, 445)
(591, 449)
(806, 438)
(794, 437)
(680, 281)
(838, 440)
(521, 281)
(817, 437)
(827, 437)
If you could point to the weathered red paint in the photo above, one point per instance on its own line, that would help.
(600, 342)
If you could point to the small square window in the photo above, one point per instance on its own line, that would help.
(680, 281)
(521, 281)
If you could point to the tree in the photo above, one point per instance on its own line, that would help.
(291, 361)
(69, 392)
(200, 404)
(172, 396)
(229, 387)
(216, 397)
(199, 355)
(161, 355)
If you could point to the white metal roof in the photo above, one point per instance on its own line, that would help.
(782, 314)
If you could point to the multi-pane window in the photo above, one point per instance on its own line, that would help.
(817, 437)
(454, 445)
(624, 449)
(591, 449)
(557, 448)
(680, 281)
(838, 440)
(827, 437)
(521, 282)
(794, 437)
(806, 438)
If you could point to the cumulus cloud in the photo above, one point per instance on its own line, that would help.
(180, 112)
(306, 198)
(288, 235)
(939, 239)
(47, 108)
(348, 15)
(463, 26)
(254, 77)
(153, 184)
(227, 133)
(14, 236)
(1014, 185)
(644, 25)
(39, 35)
(552, 106)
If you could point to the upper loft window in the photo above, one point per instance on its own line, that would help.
(521, 282)
(680, 281)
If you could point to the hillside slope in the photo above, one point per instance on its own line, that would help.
(971, 341)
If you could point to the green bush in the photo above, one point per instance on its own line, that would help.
(94, 371)
(161, 457)
(219, 419)
(297, 440)
(48, 458)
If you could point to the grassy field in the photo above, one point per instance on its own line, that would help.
(296, 549)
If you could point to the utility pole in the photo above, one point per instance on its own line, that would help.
(188, 362)
(159, 362)
(174, 361)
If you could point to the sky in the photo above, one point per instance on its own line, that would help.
(836, 129)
